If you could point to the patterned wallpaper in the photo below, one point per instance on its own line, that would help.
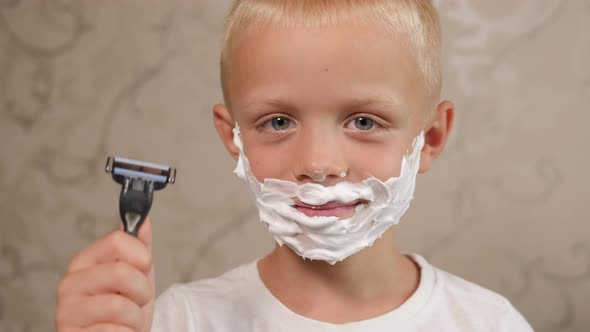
(507, 206)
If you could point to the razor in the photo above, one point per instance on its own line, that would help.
(138, 181)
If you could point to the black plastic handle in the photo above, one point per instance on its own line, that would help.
(135, 202)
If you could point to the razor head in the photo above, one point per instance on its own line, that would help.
(138, 181)
(123, 168)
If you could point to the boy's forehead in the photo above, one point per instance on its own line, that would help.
(351, 64)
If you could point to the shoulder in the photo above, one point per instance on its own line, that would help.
(455, 288)
(230, 284)
(469, 303)
(203, 302)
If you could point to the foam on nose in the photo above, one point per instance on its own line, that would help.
(318, 177)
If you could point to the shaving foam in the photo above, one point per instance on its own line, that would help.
(331, 239)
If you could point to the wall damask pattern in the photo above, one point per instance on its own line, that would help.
(506, 206)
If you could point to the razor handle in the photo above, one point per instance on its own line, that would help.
(138, 181)
(135, 202)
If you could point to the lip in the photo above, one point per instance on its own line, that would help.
(330, 209)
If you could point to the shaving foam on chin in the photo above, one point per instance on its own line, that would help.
(331, 239)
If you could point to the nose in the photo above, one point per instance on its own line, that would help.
(320, 158)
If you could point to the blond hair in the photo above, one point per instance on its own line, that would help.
(417, 19)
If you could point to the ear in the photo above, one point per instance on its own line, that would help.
(224, 124)
(436, 134)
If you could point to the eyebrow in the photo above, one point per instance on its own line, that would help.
(271, 103)
(385, 100)
(382, 101)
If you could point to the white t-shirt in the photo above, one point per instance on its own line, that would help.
(238, 301)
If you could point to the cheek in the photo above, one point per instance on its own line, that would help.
(261, 170)
(382, 162)
(265, 164)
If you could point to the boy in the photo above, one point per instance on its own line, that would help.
(331, 109)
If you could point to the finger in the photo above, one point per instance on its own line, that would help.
(113, 247)
(104, 308)
(117, 278)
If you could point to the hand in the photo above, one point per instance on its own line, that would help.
(109, 285)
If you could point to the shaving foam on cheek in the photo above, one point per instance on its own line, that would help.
(330, 238)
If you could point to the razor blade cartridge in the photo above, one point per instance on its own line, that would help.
(138, 181)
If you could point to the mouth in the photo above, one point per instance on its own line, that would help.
(330, 209)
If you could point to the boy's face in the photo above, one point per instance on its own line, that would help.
(335, 100)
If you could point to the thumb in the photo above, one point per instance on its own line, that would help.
(145, 232)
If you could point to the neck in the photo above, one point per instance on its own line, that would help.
(377, 271)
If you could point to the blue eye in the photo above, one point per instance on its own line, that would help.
(363, 123)
(280, 123)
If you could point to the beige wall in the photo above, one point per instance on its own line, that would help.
(507, 206)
